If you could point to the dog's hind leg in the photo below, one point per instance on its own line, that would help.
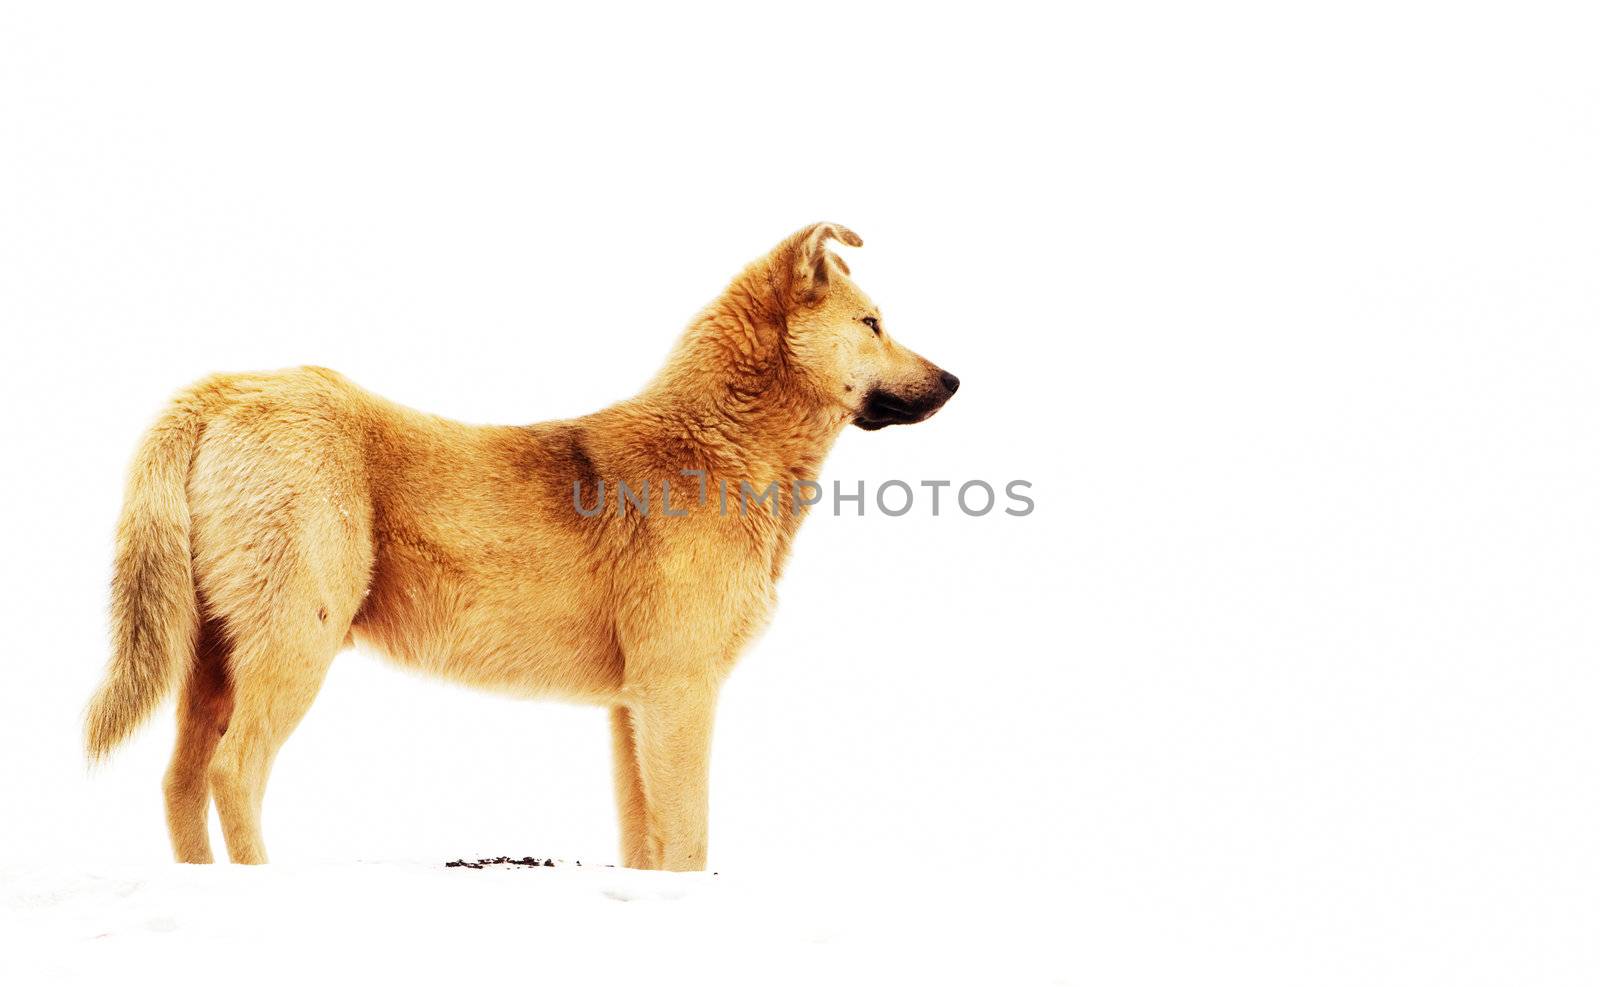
(282, 549)
(275, 679)
(203, 710)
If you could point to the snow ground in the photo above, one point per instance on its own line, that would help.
(412, 922)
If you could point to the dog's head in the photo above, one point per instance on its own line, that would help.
(840, 347)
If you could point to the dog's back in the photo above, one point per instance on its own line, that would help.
(289, 506)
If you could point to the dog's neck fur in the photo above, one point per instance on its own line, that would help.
(731, 385)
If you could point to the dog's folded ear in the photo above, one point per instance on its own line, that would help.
(811, 258)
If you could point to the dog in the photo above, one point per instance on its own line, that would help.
(271, 520)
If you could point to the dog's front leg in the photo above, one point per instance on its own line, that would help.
(672, 734)
(631, 822)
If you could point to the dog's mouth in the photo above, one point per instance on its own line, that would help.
(882, 408)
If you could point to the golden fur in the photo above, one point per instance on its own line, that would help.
(273, 519)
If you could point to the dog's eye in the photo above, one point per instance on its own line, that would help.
(872, 323)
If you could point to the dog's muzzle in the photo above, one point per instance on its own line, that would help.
(883, 407)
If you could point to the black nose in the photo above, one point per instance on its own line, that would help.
(949, 380)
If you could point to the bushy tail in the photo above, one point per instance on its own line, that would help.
(154, 614)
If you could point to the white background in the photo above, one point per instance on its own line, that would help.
(1288, 314)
